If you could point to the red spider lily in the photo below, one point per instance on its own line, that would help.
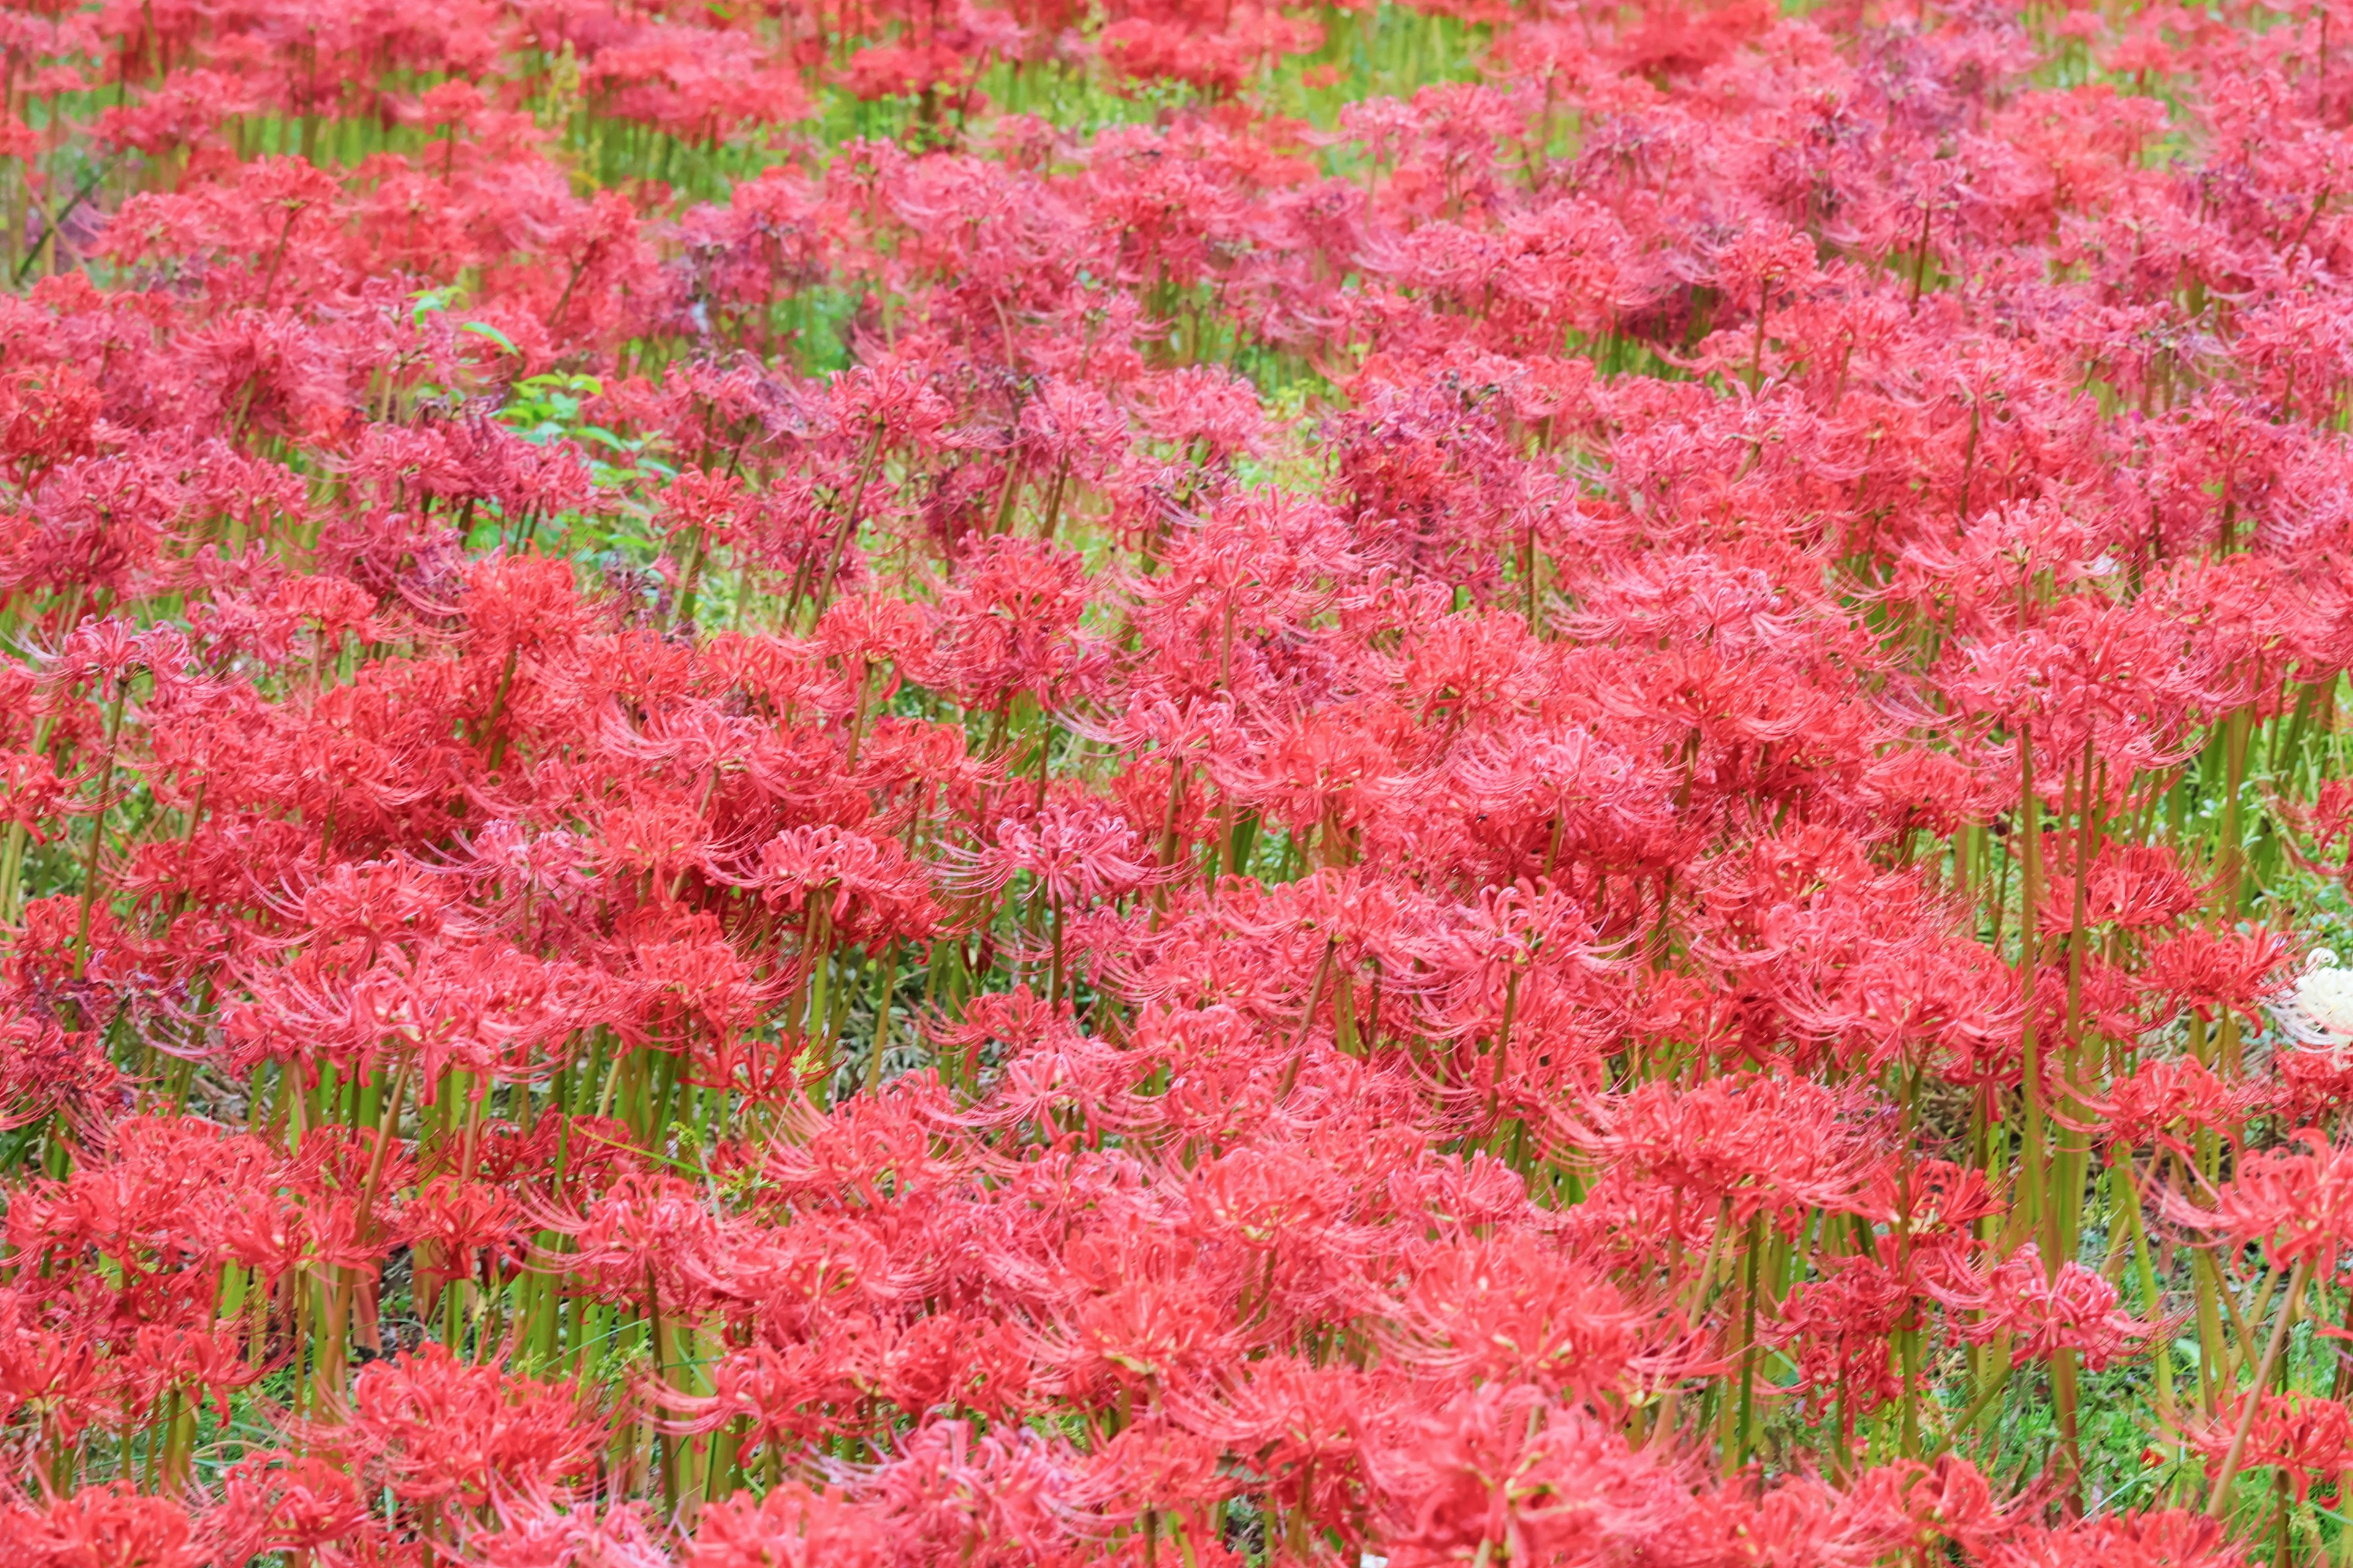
(1068, 858)
(1842, 1325)
(791, 1525)
(1762, 1143)
(113, 1524)
(2163, 1103)
(1427, 803)
(435, 1429)
(2292, 1202)
(2074, 1309)
(2308, 1438)
(1498, 1467)
(2172, 1537)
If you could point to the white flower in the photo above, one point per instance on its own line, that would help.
(2319, 1014)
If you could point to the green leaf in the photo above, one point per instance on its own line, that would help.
(428, 299)
(485, 330)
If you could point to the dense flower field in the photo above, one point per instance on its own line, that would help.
(992, 782)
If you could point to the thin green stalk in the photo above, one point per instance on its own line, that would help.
(2218, 1502)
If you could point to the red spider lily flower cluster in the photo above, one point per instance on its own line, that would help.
(1014, 783)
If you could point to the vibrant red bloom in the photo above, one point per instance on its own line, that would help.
(438, 1430)
(1322, 822)
(2295, 1203)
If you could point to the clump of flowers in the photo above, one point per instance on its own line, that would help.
(1013, 783)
